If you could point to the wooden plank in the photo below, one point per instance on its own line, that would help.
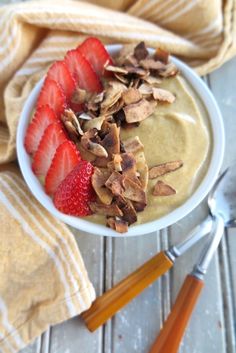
(205, 330)
(224, 87)
(72, 336)
(34, 347)
(135, 326)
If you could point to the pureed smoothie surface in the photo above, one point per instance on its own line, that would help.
(177, 131)
(121, 140)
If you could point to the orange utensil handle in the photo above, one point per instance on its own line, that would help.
(114, 299)
(173, 330)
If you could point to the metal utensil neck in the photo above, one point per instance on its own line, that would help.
(201, 267)
(196, 234)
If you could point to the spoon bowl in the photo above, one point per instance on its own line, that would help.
(222, 198)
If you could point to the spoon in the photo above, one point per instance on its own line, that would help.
(105, 306)
(222, 207)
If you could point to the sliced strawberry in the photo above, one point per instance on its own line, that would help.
(75, 192)
(77, 107)
(95, 52)
(43, 117)
(60, 73)
(52, 94)
(82, 71)
(53, 136)
(65, 159)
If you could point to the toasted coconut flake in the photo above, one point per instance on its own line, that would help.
(100, 162)
(151, 64)
(133, 145)
(114, 183)
(119, 117)
(140, 51)
(139, 206)
(142, 169)
(128, 165)
(138, 111)
(118, 86)
(99, 179)
(71, 123)
(169, 70)
(136, 70)
(117, 162)
(107, 210)
(80, 96)
(93, 147)
(114, 108)
(126, 206)
(131, 95)
(112, 95)
(133, 191)
(163, 95)
(163, 189)
(117, 224)
(152, 80)
(111, 141)
(135, 82)
(121, 78)
(161, 55)
(94, 123)
(164, 168)
(131, 60)
(118, 69)
(145, 89)
(126, 51)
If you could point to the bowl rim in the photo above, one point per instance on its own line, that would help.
(217, 153)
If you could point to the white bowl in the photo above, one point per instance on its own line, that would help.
(218, 142)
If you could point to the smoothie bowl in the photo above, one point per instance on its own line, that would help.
(126, 140)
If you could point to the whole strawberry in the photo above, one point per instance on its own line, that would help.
(75, 192)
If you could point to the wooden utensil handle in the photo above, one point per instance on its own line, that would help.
(173, 330)
(114, 299)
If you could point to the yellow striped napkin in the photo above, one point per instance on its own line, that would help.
(42, 276)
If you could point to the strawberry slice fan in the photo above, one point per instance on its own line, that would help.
(55, 158)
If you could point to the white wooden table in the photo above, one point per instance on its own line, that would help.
(213, 325)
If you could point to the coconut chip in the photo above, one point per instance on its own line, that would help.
(161, 55)
(117, 224)
(126, 206)
(107, 210)
(93, 147)
(133, 145)
(116, 69)
(131, 95)
(142, 169)
(163, 95)
(71, 124)
(152, 80)
(99, 179)
(169, 70)
(121, 78)
(139, 111)
(133, 191)
(115, 183)
(151, 64)
(94, 123)
(163, 189)
(145, 89)
(117, 159)
(164, 168)
(140, 51)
